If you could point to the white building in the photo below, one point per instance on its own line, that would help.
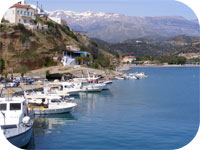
(128, 59)
(58, 20)
(19, 13)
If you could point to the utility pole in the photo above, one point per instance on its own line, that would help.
(37, 8)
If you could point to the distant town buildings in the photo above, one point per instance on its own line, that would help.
(20, 13)
(138, 42)
(128, 59)
(190, 55)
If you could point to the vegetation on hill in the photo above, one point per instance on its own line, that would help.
(36, 48)
(143, 47)
(2, 65)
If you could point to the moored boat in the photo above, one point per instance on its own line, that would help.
(16, 121)
(48, 105)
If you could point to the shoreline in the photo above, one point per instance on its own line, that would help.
(163, 66)
(128, 67)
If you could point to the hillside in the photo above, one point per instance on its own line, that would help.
(141, 47)
(112, 27)
(32, 49)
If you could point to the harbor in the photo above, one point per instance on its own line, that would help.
(110, 108)
(142, 111)
(30, 97)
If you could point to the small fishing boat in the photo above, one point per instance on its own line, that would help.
(16, 121)
(108, 82)
(119, 78)
(49, 105)
(67, 88)
(140, 75)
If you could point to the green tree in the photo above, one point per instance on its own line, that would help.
(4, 21)
(2, 65)
(103, 61)
(47, 73)
(6, 76)
(23, 69)
(181, 60)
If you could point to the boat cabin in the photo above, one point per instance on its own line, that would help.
(12, 110)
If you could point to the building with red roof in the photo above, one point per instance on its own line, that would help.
(128, 59)
(20, 13)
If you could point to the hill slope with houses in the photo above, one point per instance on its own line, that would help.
(38, 42)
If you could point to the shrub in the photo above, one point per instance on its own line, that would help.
(47, 73)
(49, 62)
(23, 69)
(2, 65)
(4, 21)
(94, 43)
(25, 32)
(67, 31)
(93, 65)
(103, 61)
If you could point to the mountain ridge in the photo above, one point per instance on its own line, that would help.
(141, 47)
(113, 27)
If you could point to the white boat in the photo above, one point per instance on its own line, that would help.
(119, 78)
(90, 87)
(140, 75)
(131, 76)
(93, 85)
(48, 105)
(16, 121)
(90, 84)
(67, 88)
(108, 82)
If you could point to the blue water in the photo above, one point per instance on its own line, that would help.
(159, 112)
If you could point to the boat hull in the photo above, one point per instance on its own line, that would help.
(73, 93)
(22, 139)
(51, 111)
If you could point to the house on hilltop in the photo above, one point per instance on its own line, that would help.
(20, 13)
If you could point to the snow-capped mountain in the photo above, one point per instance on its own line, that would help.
(75, 16)
(114, 27)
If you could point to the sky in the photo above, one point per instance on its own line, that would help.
(127, 7)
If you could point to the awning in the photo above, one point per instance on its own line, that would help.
(80, 52)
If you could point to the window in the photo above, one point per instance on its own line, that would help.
(28, 13)
(24, 13)
(21, 12)
(24, 20)
(18, 12)
(31, 14)
(8, 126)
(55, 101)
(3, 107)
(15, 106)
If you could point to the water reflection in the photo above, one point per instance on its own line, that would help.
(52, 122)
(89, 101)
(47, 124)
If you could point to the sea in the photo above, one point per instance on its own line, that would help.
(158, 112)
